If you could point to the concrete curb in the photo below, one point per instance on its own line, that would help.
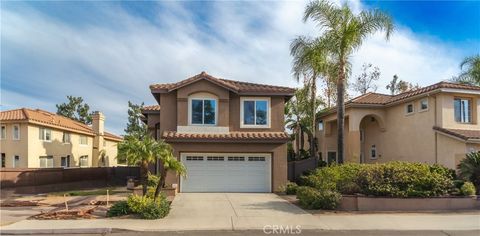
(56, 231)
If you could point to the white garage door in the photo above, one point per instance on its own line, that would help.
(226, 172)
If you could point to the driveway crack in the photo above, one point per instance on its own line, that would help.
(233, 208)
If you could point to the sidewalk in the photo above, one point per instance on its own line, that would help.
(343, 221)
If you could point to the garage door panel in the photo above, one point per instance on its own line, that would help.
(226, 173)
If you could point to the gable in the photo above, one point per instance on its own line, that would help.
(203, 86)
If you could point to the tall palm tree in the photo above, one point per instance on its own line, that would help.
(343, 34)
(310, 61)
(470, 70)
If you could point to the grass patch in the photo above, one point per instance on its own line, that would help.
(111, 191)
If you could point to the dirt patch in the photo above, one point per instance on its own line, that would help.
(20, 203)
(66, 215)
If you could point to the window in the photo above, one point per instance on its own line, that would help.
(16, 161)
(320, 125)
(3, 160)
(45, 134)
(463, 110)
(83, 140)
(424, 104)
(84, 161)
(255, 113)
(215, 158)
(16, 132)
(236, 158)
(66, 137)
(3, 132)
(65, 161)
(331, 158)
(203, 111)
(256, 158)
(373, 152)
(409, 108)
(194, 158)
(46, 162)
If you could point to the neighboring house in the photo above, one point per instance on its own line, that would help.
(40, 139)
(230, 135)
(434, 124)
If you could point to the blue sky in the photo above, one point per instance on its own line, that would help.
(109, 52)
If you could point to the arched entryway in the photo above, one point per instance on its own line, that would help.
(371, 138)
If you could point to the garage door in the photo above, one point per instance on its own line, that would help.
(226, 172)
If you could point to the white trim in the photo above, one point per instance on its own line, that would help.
(203, 97)
(269, 112)
(200, 129)
(13, 160)
(420, 105)
(13, 132)
(464, 91)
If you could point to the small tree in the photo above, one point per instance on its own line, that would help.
(75, 109)
(135, 126)
(167, 163)
(397, 86)
(366, 80)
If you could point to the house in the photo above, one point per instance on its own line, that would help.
(40, 139)
(230, 135)
(434, 124)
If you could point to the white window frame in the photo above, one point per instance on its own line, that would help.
(13, 131)
(46, 161)
(269, 112)
(80, 140)
(43, 133)
(69, 137)
(406, 108)
(420, 105)
(321, 126)
(203, 97)
(3, 132)
(373, 148)
(470, 107)
(13, 161)
(80, 161)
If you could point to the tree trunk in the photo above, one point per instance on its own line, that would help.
(161, 182)
(297, 140)
(144, 176)
(314, 111)
(302, 139)
(341, 112)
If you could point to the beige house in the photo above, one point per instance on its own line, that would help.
(230, 135)
(434, 124)
(40, 139)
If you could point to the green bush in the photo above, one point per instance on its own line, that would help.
(291, 188)
(152, 180)
(393, 179)
(469, 168)
(468, 189)
(118, 209)
(312, 198)
(147, 207)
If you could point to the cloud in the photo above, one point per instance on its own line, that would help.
(45, 58)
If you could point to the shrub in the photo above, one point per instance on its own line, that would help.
(468, 189)
(147, 207)
(118, 209)
(152, 180)
(291, 188)
(312, 198)
(469, 168)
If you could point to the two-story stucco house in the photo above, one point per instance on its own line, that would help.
(434, 124)
(41, 139)
(230, 135)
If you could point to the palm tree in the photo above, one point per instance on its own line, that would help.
(470, 70)
(294, 111)
(343, 34)
(167, 163)
(469, 169)
(310, 61)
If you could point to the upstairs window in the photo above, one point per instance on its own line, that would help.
(409, 108)
(424, 104)
(203, 111)
(3, 134)
(45, 134)
(83, 140)
(66, 137)
(463, 110)
(16, 132)
(255, 113)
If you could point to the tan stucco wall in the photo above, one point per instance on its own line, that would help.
(401, 136)
(278, 151)
(15, 147)
(30, 147)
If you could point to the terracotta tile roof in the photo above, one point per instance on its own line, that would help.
(231, 136)
(46, 118)
(151, 108)
(235, 86)
(111, 136)
(464, 134)
(371, 98)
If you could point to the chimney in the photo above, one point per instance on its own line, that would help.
(98, 123)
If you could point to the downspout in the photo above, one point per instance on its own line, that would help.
(436, 133)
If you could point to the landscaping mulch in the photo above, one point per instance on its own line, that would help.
(20, 203)
(66, 215)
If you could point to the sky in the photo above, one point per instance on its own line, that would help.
(109, 52)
